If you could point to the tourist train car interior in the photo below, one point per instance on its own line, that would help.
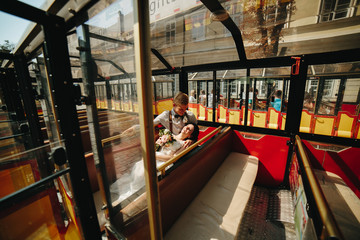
(274, 86)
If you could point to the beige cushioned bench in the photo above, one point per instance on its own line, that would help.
(217, 210)
(343, 202)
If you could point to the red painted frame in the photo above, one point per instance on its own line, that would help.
(272, 152)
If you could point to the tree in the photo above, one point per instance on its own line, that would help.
(263, 23)
(7, 47)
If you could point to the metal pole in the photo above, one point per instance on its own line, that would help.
(143, 76)
(89, 71)
(57, 55)
(214, 97)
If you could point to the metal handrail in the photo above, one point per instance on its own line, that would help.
(185, 151)
(109, 139)
(30, 190)
(102, 123)
(12, 136)
(326, 215)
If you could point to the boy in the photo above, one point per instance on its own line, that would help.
(173, 120)
(178, 117)
(277, 101)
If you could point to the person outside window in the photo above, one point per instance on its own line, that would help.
(192, 98)
(308, 102)
(202, 97)
(277, 101)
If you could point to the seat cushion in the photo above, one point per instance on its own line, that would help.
(217, 210)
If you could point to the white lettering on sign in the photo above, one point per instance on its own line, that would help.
(164, 8)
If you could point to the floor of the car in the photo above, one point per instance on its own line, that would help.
(268, 215)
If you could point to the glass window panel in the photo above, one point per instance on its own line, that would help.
(170, 32)
(327, 96)
(268, 97)
(193, 92)
(192, 29)
(164, 87)
(310, 94)
(229, 96)
(210, 92)
(351, 95)
(19, 167)
(111, 41)
(338, 9)
(331, 100)
(343, 4)
(201, 40)
(203, 92)
(341, 14)
(328, 5)
(47, 214)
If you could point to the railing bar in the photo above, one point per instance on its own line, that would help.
(28, 190)
(322, 205)
(31, 150)
(185, 151)
(12, 136)
(5, 121)
(104, 122)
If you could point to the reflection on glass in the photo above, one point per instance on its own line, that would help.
(47, 116)
(12, 139)
(48, 214)
(331, 100)
(26, 167)
(184, 33)
(112, 49)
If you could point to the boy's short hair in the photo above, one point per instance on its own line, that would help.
(278, 93)
(181, 99)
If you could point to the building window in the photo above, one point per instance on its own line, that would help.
(198, 27)
(233, 88)
(236, 14)
(278, 13)
(170, 32)
(336, 9)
